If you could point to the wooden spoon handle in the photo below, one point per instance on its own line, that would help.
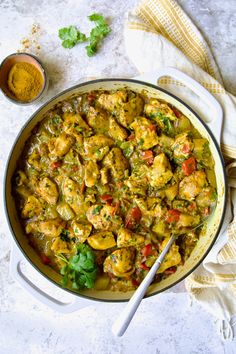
(121, 324)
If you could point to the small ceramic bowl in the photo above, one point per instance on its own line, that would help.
(5, 68)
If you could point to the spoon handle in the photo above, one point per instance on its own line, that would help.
(121, 324)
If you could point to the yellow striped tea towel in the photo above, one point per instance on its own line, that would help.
(157, 34)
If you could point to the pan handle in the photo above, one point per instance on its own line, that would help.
(39, 294)
(216, 123)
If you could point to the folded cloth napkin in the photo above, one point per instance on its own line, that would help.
(158, 33)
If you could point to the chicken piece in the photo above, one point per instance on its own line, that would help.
(156, 210)
(98, 120)
(116, 131)
(120, 262)
(72, 195)
(155, 107)
(186, 220)
(127, 238)
(102, 240)
(103, 217)
(32, 207)
(48, 190)
(192, 185)
(160, 173)
(60, 246)
(129, 110)
(207, 198)
(116, 163)
(182, 146)
(74, 124)
(104, 175)
(161, 229)
(145, 135)
(81, 230)
(173, 257)
(52, 227)
(92, 173)
(136, 185)
(62, 144)
(97, 146)
(34, 160)
(65, 211)
(124, 111)
(112, 102)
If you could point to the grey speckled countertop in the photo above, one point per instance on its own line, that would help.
(163, 324)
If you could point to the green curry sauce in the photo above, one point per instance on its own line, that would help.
(119, 172)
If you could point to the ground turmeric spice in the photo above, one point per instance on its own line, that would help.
(25, 81)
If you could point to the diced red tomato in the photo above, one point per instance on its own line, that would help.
(192, 206)
(133, 218)
(55, 164)
(144, 266)
(45, 259)
(147, 250)
(135, 282)
(176, 112)
(148, 157)
(170, 270)
(173, 216)
(189, 166)
(131, 137)
(152, 127)
(107, 198)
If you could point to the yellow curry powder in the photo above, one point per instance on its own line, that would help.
(25, 81)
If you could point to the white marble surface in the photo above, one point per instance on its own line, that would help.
(163, 324)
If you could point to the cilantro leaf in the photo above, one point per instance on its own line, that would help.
(80, 269)
(71, 36)
(97, 33)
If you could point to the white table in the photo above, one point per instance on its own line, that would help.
(163, 324)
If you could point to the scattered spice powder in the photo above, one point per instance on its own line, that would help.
(30, 44)
(25, 81)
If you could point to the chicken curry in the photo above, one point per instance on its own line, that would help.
(103, 182)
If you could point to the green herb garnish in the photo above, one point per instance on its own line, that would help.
(80, 269)
(71, 36)
(168, 127)
(97, 209)
(97, 33)
(64, 235)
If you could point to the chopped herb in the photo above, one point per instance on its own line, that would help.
(71, 36)
(141, 141)
(81, 268)
(98, 153)
(168, 127)
(56, 120)
(97, 209)
(64, 236)
(100, 31)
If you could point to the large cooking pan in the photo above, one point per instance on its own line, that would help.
(212, 133)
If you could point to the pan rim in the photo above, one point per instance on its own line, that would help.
(80, 85)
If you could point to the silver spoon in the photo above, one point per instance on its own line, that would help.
(121, 324)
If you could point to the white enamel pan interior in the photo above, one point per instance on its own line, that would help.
(148, 82)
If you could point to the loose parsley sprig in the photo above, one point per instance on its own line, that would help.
(80, 269)
(71, 36)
